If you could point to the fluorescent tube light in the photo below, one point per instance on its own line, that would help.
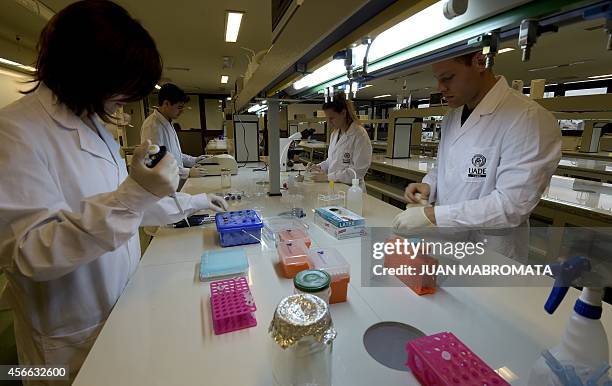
(504, 50)
(255, 108)
(10, 62)
(224, 79)
(600, 76)
(382, 96)
(232, 25)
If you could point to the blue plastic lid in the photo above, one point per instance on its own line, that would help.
(223, 262)
(242, 219)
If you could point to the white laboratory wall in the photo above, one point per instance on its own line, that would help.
(136, 111)
(302, 109)
(11, 83)
(190, 119)
(214, 116)
(309, 110)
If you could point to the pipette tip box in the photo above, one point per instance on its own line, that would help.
(239, 227)
(332, 262)
(292, 257)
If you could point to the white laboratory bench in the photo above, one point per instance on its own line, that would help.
(594, 169)
(566, 200)
(568, 166)
(313, 146)
(160, 332)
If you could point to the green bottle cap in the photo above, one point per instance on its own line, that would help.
(312, 280)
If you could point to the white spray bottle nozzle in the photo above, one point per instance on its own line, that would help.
(589, 303)
(355, 177)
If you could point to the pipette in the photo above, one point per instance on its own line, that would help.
(156, 153)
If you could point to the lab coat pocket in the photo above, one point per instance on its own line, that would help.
(70, 349)
(476, 164)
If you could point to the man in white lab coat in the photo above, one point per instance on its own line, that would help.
(159, 129)
(69, 212)
(496, 156)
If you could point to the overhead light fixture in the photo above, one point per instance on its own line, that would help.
(232, 25)
(16, 64)
(579, 81)
(224, 79)
(418, 27)
(397, 44)
(503, 50)
(257, 108)
(366, 86)
(228, 98)
(382, 96)
(157, 87)
(600, 76)
(321, 74)
(543, 68)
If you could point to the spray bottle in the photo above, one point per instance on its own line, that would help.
(583, 350)
(354, 196)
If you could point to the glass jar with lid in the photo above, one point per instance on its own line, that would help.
(313, 281)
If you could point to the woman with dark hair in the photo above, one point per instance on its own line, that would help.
(349, 144)
(69, 213)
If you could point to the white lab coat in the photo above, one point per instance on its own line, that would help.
(492, 171)
(69, 223)
(161, 132)
(353, 150)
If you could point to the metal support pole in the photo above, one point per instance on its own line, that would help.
(274, 147)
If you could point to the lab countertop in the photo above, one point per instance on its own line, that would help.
(601, 155)
(424, 163)
(313, 145)
(159, 332)
(588, 165)
(563, 192)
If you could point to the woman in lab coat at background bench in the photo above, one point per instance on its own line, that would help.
(349, 144)
(69, 213)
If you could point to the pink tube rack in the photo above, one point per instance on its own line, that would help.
(232, 305)
(443, 360)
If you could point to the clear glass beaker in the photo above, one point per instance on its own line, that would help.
(226, 178)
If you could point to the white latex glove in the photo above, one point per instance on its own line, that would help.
(196, 171)
(313, 168)
(410, 219)
(201, 158)
(416, 192)
(162, 180)
(319, 177)
(210, 201)
(421, 201)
